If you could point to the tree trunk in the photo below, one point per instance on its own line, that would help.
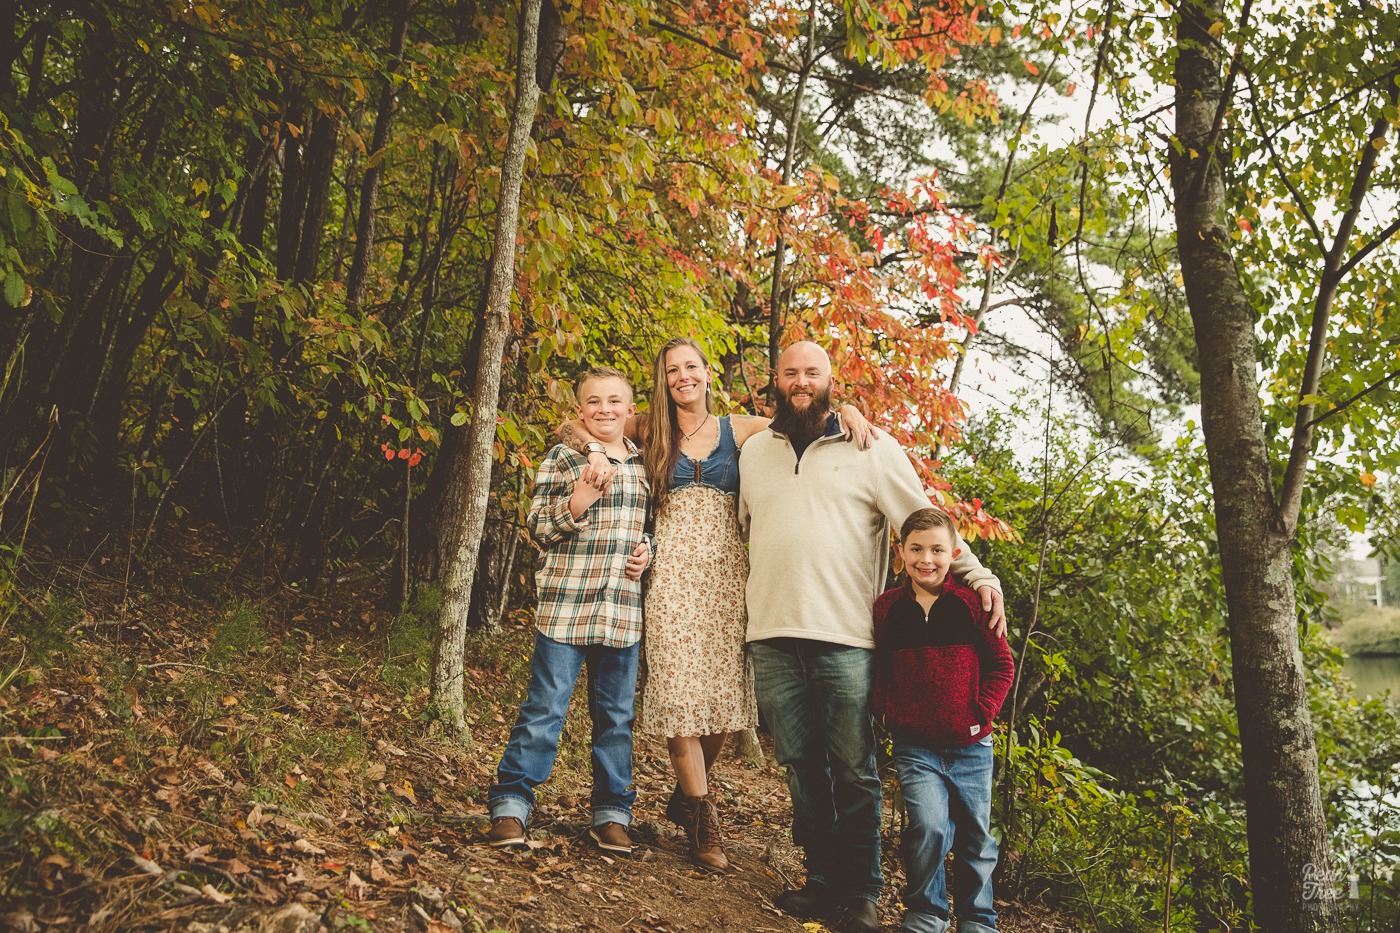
(369, 189)
(312, 544)
(1289, 859)
(291, 202)
(318, 168)
(491, 585)
(492, 582)
(776, 300)
(452, 621)
(746, 747)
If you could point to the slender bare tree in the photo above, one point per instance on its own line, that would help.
(495, 324)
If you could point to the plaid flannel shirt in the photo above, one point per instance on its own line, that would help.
(584, 595)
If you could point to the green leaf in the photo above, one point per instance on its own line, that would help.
(14, 289)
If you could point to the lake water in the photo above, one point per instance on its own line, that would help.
(1374, 675)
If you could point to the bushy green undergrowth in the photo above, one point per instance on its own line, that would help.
(408, 644)
(1371, 630)
(1126, 755)
(1111, 855)
(44, 628)
(237, 633)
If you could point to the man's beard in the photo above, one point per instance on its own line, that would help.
(803, 425)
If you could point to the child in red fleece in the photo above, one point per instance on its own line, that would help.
(940, 679)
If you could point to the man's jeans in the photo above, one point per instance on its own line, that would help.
(815, 697)
(534, 742)
(948, 792)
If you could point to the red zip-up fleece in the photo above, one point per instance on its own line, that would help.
(940, 678)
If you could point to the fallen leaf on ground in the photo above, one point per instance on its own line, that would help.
(214, 894)
(146, 865)
(309, 847)
(22, 921)
(355, 887)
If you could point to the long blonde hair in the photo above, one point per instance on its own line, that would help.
(662, 444)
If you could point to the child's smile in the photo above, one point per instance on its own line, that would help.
(928, 554)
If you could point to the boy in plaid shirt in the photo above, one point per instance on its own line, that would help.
(590, 614)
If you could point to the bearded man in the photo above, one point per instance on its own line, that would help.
(818, 513)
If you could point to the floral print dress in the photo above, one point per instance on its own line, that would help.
(699, 680)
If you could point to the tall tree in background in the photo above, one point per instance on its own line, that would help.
(1257, 514)
(465, 539)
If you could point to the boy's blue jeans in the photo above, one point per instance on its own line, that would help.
(534, 742)
(815, 697)
(948, 792)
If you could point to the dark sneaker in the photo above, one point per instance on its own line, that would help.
(612, 837)
(506, 831)
(858, 916)
(811, 901)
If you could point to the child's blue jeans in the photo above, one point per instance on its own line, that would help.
(534, 742)
(948, 793)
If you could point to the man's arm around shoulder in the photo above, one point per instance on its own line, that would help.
(998, 666)
(901, 494)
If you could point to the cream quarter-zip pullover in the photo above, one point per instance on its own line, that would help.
(819, 534)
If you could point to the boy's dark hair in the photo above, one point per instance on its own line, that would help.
(600, 372)
(925, 520)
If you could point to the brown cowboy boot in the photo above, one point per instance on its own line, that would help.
(704, 834)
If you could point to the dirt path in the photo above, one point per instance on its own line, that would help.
(231, 765)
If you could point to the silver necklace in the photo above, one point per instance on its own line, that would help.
(704, 421)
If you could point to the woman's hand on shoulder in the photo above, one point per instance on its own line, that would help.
(857, 427)
(746, 426)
